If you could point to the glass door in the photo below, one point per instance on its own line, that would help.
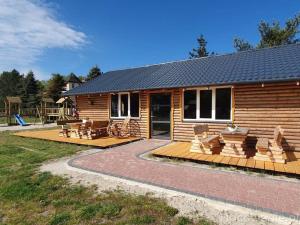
(160, 115)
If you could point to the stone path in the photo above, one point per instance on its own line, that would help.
(281, 197)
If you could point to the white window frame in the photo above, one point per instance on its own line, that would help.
(213, 119)
(119, 105)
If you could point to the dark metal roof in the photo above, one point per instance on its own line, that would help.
(262, 65)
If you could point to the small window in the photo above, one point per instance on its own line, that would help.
(114, 105)
(135, 104)
(206, 104)
(124, 105)
(223, 103)
(190, 104)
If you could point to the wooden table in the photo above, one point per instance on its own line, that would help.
(234, 142)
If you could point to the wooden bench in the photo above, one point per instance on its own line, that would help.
(204, 143)
(271, 150)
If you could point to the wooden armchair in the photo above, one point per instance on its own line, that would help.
(97, 129)
(204, 143)
(271, 150)
(122, 130)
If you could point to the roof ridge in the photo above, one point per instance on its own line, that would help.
(205, 57)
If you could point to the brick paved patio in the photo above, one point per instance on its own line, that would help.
(282, 197)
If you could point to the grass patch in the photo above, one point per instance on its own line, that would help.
(31, 197)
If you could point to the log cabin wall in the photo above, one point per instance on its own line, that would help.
(183, 131)
(94, 107)
(263, 108)
(259, 108)
(97, 107)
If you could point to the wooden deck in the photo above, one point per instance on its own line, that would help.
(181, 150)
(52, 135)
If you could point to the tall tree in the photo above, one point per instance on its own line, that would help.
(201, 50)
(273, 34)
(55, 86)
(10, 84)
(241, 45)
(31, 90)
(94, 72)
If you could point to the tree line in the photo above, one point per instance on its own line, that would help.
(271, 35)
(31, 90)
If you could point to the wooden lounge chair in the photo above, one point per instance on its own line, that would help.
(271, 150)
(97, 129)
(123, 129)
(204, 143)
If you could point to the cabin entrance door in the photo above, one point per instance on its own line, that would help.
(160, 123)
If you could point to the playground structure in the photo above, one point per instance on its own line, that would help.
(47, 111)
(12, 108)
(67, 112)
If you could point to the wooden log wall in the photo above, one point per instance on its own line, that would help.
(183, 131)
(94, 107)
(263, 108)
(259, 108)
(100, 110)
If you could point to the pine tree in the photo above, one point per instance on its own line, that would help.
(30, 97)
(10, 85)
(201, 51)
(241, 45)
(55, 86)
(273, 35)
(94, 72)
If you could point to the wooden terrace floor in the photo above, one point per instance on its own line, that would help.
(181, 150)
(52, 135)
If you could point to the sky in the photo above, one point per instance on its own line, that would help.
(64, 36)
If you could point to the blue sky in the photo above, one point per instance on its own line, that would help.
(64, 36)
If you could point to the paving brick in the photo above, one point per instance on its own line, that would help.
(256, 192)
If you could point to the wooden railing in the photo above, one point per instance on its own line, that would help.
(33, 111)
(51, 110)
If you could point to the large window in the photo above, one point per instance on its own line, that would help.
(190, 99)
(135, 104)
(223, 103)
(207, 104)
(114, 105)
(125, 104)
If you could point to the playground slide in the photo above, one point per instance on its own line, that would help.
(20, 120)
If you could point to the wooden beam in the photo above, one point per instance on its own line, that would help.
(148, 116)
(172, 116)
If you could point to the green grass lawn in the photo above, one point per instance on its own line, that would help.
(28, 196)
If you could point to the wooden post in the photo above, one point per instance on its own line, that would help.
(172, 116)
(9, 114)
(148, 116)
(233, 103)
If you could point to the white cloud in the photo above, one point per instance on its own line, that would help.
(27, 27)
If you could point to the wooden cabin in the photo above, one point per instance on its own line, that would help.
(256, 89)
